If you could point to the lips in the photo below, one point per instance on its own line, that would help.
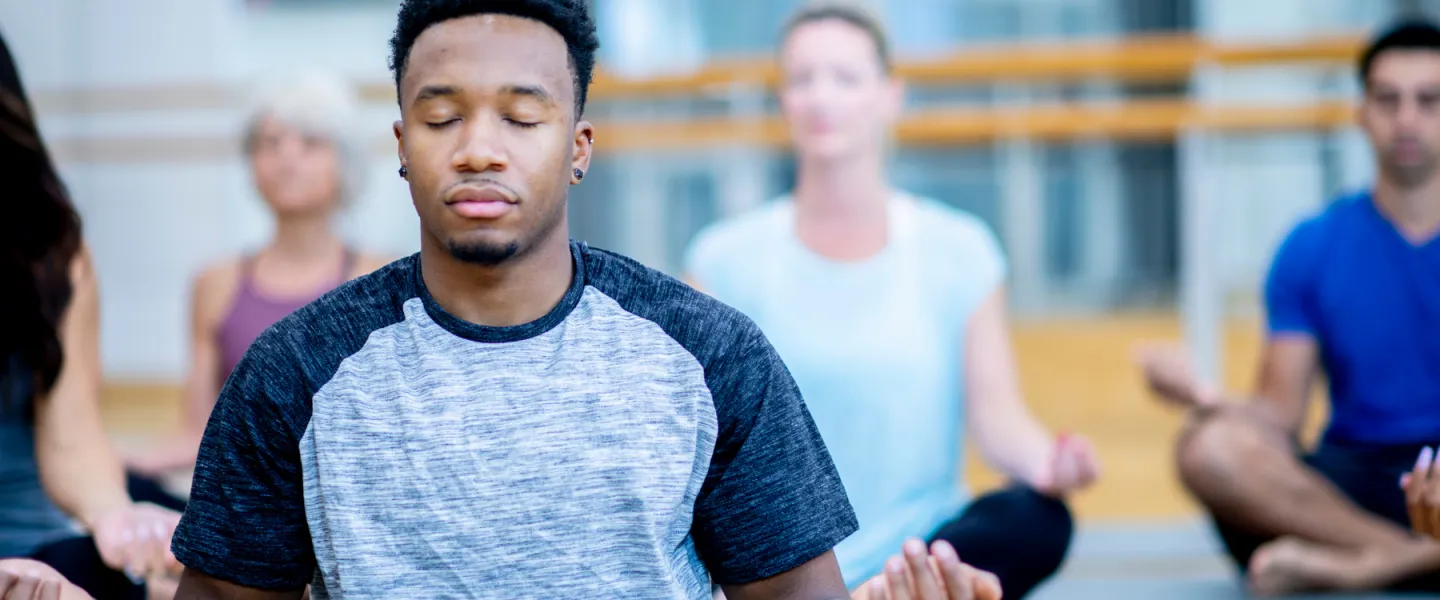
(485, 202)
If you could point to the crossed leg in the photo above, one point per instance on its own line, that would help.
(1249, 477)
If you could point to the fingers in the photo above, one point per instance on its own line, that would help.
(1064, 472)
(1087, 459)
(957, 581)
(23, 588)
(50, 590)
(1418, 493)
(987, 586)
(898, 579)
(877, 589)
(1430, 495)
(926, 585)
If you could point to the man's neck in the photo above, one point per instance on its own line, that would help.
(1415, 211)
(518, 291)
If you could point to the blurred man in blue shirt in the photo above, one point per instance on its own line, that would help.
(1353, 293)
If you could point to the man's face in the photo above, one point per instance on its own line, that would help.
(1401, 114)
(487, 132)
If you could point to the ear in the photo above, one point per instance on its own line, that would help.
(583, 149)
(399, 128)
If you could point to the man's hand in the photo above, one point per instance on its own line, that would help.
(1073, 466)
(1171, 377)
(938, 575)
(135, 538)
(1422, 495)
(23, 579)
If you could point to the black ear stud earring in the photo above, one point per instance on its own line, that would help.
(579, 174)
(404, 173)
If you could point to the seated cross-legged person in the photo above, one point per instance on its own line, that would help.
(889, 310)
(1354, 293)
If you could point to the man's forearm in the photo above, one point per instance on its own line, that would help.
(197, 586)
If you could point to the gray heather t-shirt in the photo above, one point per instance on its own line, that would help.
(639, 441)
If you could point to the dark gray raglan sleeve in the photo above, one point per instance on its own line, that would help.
(772, 499)
(246, 519)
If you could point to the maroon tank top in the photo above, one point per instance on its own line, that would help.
(252, 312)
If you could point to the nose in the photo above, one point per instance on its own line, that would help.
(482, 147)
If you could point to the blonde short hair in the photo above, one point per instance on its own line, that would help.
(322, 105)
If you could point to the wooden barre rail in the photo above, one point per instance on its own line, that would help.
(1124, 121)
(1160, 59)
(1129, 121)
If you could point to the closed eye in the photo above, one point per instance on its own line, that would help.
(442, 124)
(522, 124)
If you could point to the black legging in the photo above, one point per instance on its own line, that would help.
(1018, 534)
(144, 489)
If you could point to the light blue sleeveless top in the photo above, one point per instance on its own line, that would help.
(876, 347)
(28, 519)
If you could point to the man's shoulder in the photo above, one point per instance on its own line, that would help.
(691, 317)
(1309, 238)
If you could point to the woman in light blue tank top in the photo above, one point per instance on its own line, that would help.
(59, 476)
(889, 311)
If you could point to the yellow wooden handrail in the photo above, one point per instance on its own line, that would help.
(1137, 120)
(1169, 58)
(1138, 59)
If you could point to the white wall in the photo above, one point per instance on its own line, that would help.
(152, 223)
(1264, 183)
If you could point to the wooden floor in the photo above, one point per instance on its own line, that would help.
(1077, 376)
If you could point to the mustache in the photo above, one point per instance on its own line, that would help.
(482, 181)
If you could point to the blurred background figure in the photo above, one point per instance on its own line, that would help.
(1353, 293)
(1137, 164)
(890, 312)
(56, 465)
(308, 162)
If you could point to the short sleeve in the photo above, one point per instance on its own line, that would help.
(964, 253)
(1289, 286)
(245, 522)
(772, 500)
(986, 260)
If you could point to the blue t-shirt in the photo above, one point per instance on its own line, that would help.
(635, 442)
(877, 348)
(1371, 299)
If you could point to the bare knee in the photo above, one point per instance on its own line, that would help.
(1220, 449)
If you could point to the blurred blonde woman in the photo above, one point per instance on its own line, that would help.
(890, 312)
(308, 162)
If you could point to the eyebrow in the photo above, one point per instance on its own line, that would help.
(533, 91)
(431, 92)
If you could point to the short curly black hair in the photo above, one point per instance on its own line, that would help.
(570, 18)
